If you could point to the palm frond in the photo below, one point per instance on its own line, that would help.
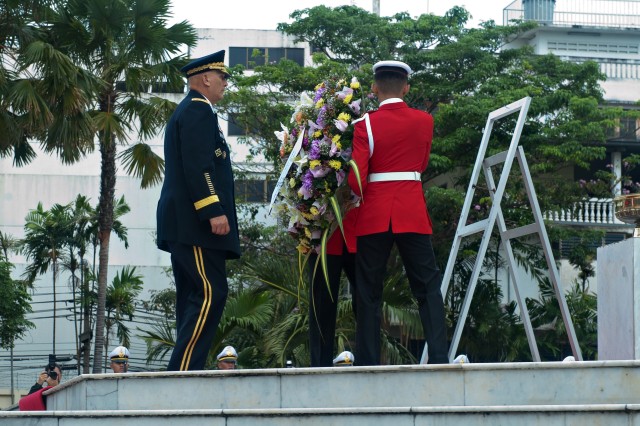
(140, 161)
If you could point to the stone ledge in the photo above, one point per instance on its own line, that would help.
(454, 409)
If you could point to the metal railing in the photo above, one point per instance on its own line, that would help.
(594, 211)
(614, 69)
(588, 13)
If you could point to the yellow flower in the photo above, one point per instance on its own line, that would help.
(292, 182)
(344, 117)
(307, 232)
(314, 163)
(314, 211)
(335, 139)
(355, 85)
(347, 98)
(338, 145)
(307, 216)
(335, 164)
(321, 102)
(317, 133)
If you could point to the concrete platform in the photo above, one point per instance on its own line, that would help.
(549, 394)
(380, 416)
(510, 384)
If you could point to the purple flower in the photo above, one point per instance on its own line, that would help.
(341, 125)
(320, 171)
(314, 152)
(312, 128)
(477, 207)
(319, 94)
(320, 206)
(346, 91)
(340, 175)
(355, 106)
(322, 117)
(346, 154)
(334, 150)
(307, 186)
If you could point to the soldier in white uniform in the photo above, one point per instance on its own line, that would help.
(227, 359)
(119, 359)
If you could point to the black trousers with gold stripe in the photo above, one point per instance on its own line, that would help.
(201, 293)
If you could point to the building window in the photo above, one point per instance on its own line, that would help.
(234, 128)
(251, 57)
(158, 87)
(163, 87)
(628, 128)
(594, 47)
(254, 190)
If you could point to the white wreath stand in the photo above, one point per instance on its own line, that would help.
(486, 226)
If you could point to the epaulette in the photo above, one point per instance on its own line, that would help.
(359, 119)
(201, 100)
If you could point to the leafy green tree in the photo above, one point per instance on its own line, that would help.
(460, 75)
(82, 50)
(47, 233)
(15, 305)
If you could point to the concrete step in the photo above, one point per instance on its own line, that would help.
(548, 415)
(472, 385)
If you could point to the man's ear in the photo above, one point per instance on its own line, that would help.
(405, 89)
(205, 79)
(374, 88)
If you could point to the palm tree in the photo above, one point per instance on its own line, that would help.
(7, 243)
(82, 53)
(47, 233)
(120, 303)
(81, 214)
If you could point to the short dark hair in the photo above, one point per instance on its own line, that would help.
(390, 82)
(51, 366)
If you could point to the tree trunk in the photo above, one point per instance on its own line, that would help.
(105, 220)
(55, 273)
(86, 326)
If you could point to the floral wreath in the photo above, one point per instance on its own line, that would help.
(312, 193)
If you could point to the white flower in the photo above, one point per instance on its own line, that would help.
(305, 102)
(282, 136)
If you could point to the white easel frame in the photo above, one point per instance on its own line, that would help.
(486, 226)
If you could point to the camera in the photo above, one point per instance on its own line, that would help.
(50, 369)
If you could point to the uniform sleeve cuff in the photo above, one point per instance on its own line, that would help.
(212, 210)
(206, 201)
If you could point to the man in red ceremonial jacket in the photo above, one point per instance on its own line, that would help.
(391, 148)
